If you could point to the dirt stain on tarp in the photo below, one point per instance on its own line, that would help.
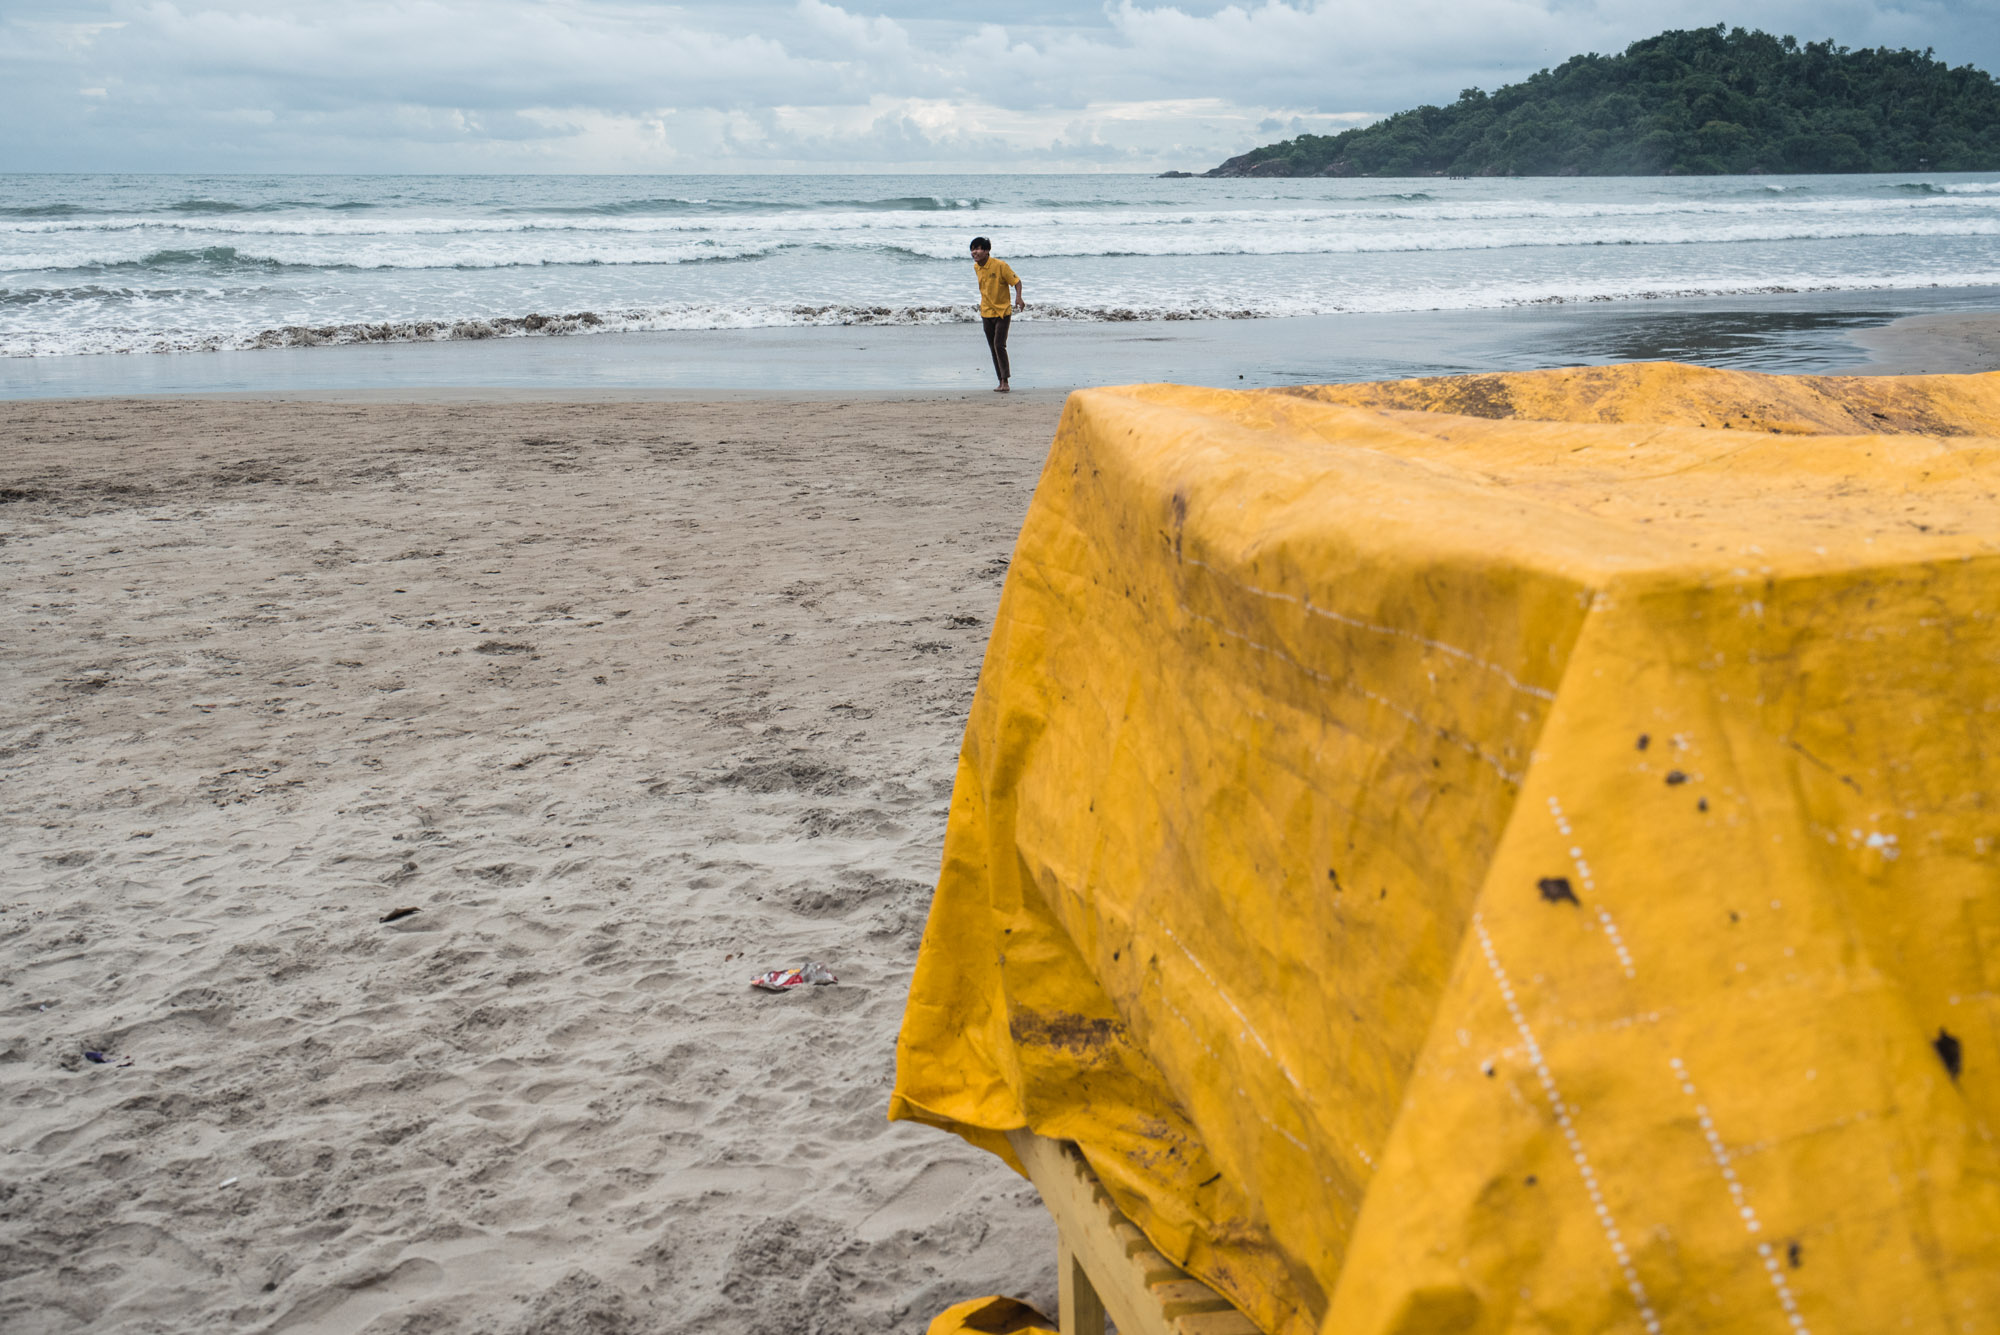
(1556, 890)
(1076, 1034)
(1950, 1051)
(1488, 396)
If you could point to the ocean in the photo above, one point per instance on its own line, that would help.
(181, 264)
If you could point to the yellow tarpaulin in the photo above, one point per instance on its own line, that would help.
(1507, 853)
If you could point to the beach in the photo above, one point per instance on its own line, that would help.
(630, 693)
(630, 701)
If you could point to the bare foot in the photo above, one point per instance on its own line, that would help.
(1001, 388)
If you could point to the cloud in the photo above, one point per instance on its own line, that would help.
(621, 85)
(1346, 54)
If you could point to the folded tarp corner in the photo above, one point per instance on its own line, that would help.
(1502, 853)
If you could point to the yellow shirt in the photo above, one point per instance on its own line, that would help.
(994, 280)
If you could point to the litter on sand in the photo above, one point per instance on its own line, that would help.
(784, 980)
(394, 914)
(105, 1058)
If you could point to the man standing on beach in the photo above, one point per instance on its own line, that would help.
(994, 312)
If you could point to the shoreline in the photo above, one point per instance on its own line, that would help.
(1808, 333)
(433, 395)
(1945, 343)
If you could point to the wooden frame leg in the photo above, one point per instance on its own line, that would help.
(1081, 1311)
(1106, 1270)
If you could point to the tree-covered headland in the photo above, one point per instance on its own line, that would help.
(1704, 101)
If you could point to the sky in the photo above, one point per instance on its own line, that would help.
(801, 85)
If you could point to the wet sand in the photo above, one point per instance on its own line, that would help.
(1952, 342)
(1811, 333)
(630, 700)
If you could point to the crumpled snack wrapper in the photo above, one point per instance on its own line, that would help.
(810, 973)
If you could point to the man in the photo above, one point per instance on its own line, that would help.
(994, 313)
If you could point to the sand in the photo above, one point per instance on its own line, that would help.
(1948, 343)
(629, 700)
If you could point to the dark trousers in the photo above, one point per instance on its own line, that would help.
(996, 341)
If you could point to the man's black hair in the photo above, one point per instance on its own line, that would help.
(980, 243)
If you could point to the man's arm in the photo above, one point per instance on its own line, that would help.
(1020, 297)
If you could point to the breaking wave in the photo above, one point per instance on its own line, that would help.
(124, 264)
(711, 316)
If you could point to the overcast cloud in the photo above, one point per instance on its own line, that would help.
(602, 85)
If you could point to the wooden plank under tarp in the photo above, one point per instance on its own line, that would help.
(1107, 1268)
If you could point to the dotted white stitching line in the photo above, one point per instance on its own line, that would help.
(1562, 821)
(1617, 941)
(1745, 1212)
(1509, 775)
(1561, 1109)
(1439, 645)
(1590, 888)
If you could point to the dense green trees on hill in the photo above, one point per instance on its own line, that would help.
(1697, 102)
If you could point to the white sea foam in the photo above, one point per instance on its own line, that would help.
(1977, 197)
(107, 336)
(1184, 236)
(134, 264)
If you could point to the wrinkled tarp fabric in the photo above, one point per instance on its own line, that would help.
(1506, 853)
